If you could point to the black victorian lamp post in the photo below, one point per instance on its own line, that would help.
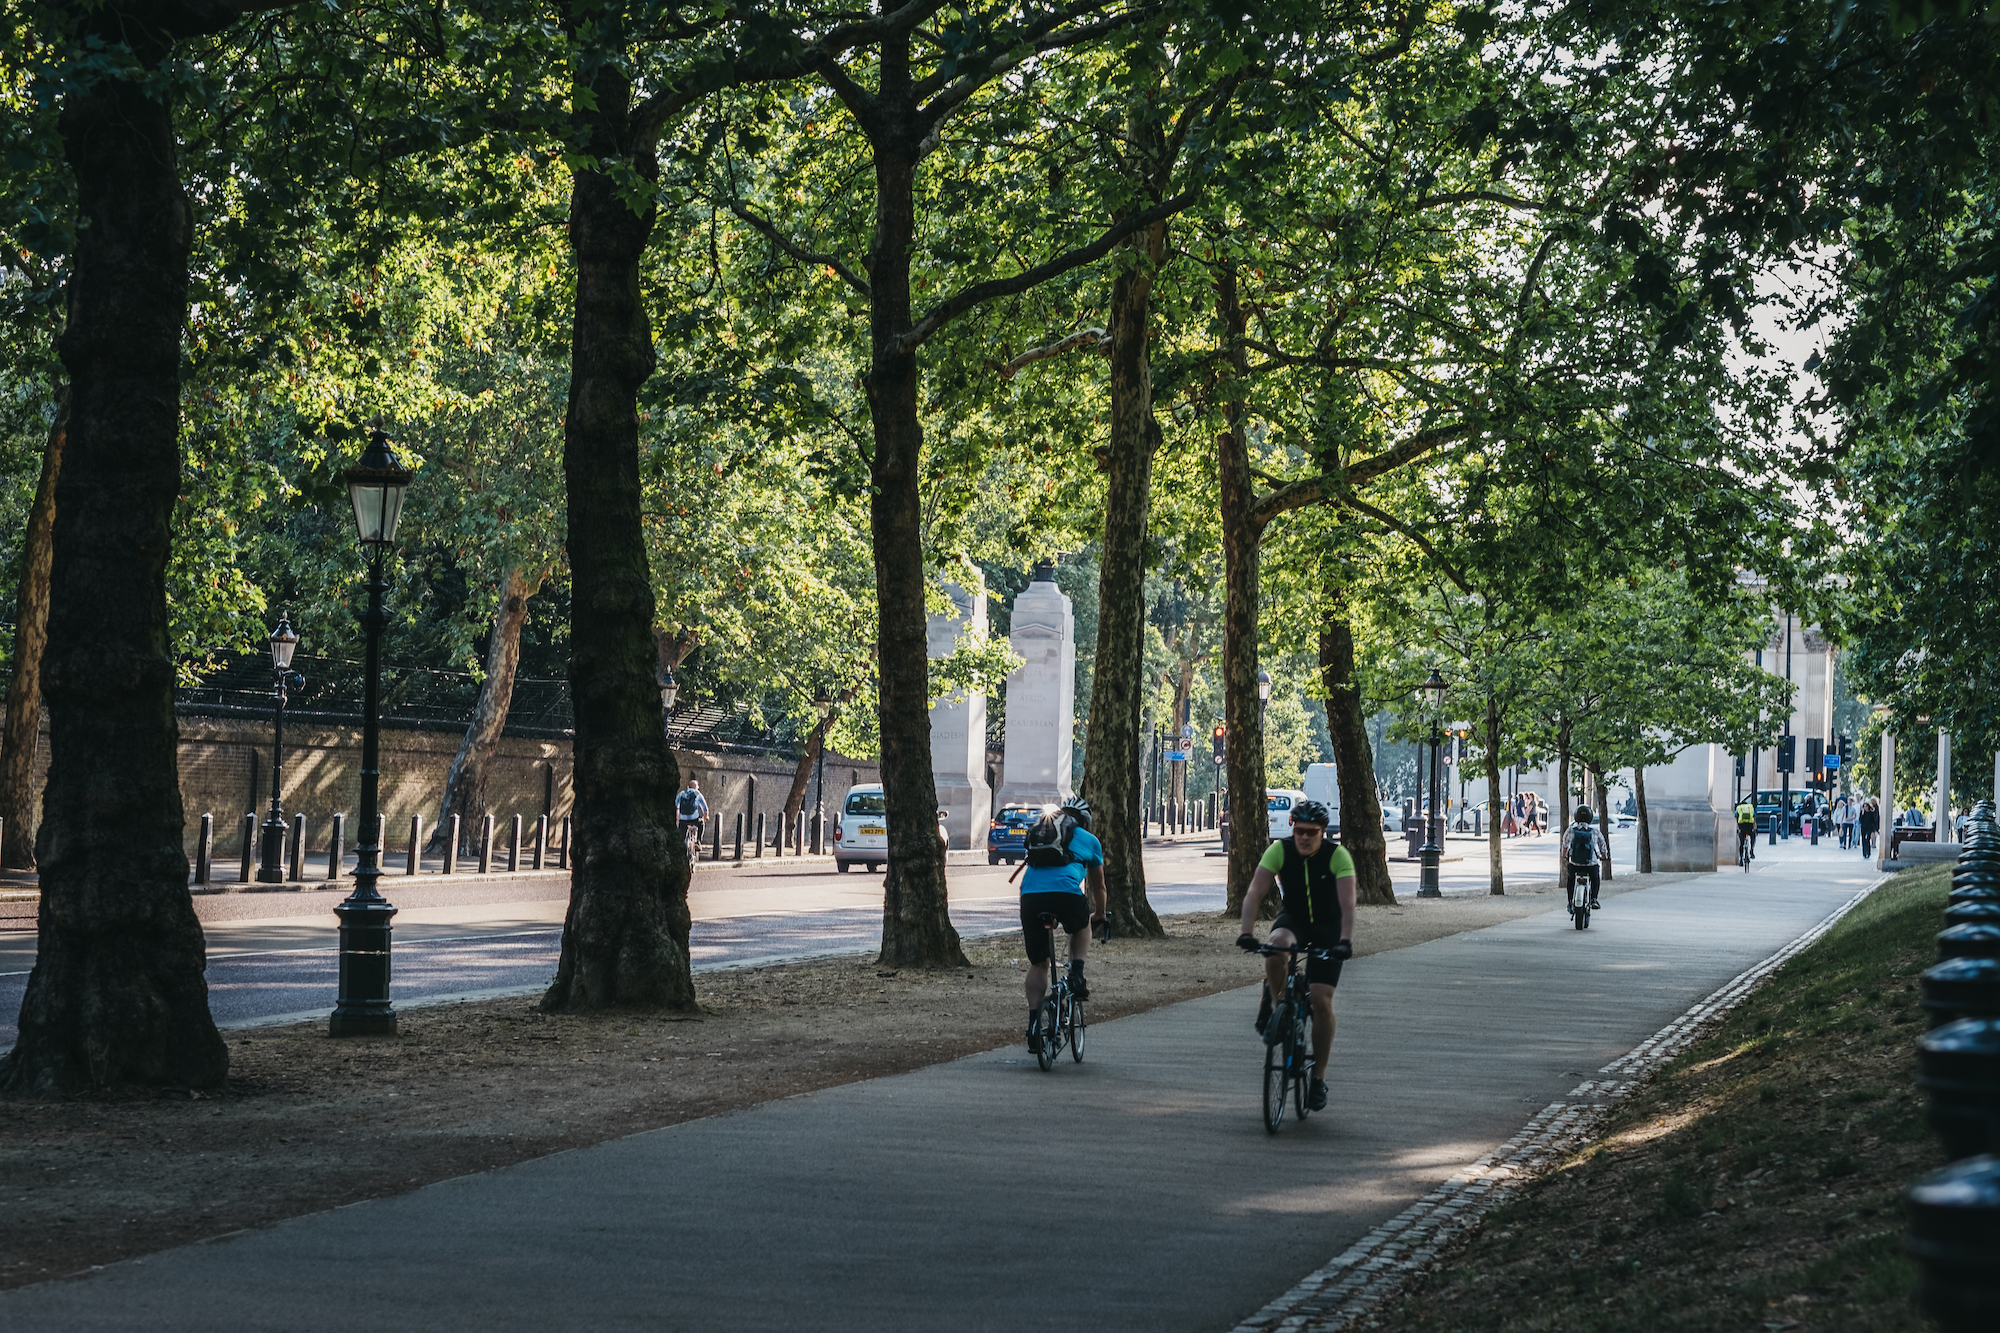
(376, 485)
(271, 850)
(1263, 696)
(823, 705)
(669, 690)
(1432, 694)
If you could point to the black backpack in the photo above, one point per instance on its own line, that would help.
(1582, 845)
(1046, 844)
(687, 803)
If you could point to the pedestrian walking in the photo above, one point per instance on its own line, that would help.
(1869, 822)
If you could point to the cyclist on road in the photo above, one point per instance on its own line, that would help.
(1316, 880)
(1746, 827)
(1585, 850)
(692, 810)
(1063, 858)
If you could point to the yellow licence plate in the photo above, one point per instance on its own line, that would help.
(875, 828)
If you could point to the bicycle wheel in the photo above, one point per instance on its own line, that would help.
(1302, 1070)
(1046, 1056)
(1076, 1026)
(1274, 1087)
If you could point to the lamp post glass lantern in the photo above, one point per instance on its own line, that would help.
(284, 641)
(823, 705)
(376, 486)
(1431, 693)
(669, 690)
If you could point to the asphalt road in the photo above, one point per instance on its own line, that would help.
(1136, 1190)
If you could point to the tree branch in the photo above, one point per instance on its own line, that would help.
(954, 306)
(1098, 338)
(770, 232)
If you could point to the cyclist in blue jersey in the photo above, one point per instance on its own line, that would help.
(1315, 879)
(1063, 859)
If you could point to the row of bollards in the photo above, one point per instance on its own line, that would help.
(1955, 1215)
(527, 847)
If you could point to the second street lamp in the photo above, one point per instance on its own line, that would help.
(271, 852)
(376, 485)
(669, 690)
(1432, 693)
(823, 705)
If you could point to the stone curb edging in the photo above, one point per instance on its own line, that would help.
(1386, 1260)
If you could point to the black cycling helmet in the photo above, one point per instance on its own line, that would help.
(1310, 812)
(1583, 815)
(1079, 810)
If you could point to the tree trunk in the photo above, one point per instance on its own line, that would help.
(1496, 875)
(1360, 805)
(625, 939)
(1603, 808)
(795, 798)
(117, 995)
(465, 784)
(916, 916)
(1241, 537)
(1111, 746)
(1562, 780)
(1645, 830)
(24, 691)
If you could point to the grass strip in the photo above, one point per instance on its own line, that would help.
(1754, 1184)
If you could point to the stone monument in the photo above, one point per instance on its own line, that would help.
(958, 725)
(1041, 695)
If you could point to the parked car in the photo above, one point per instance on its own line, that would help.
(861, 830)
(1007, 839)
(1278, 803)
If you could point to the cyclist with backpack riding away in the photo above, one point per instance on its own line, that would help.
(1062, 859)
(1316, 880)
(1586, 853)
(1746, 826)
(692, 810)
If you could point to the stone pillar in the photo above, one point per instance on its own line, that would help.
(1041, 696)
(1942, 807)
(958, 725)
(1680, 814)
(1887, 801)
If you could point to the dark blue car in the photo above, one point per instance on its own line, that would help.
(1007, 839)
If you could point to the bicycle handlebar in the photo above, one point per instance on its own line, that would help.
(1317, 951)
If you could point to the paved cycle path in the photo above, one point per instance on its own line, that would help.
(1137, 1190)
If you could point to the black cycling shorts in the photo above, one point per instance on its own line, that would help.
(1319, 971)
(1072, 913)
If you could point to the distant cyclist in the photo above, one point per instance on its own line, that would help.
(692, 810)
(1062, 859)
(1585, 851)
(1316, 880)
(1746, 827)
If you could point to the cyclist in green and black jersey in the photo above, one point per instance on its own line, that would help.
(1316, 879)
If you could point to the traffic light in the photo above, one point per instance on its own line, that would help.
(1221, 739)
(1813, 753)
(1788, 751)
(1742, 766)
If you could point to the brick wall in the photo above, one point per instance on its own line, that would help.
(225, 771)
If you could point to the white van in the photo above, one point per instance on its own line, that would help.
(1322, 784)
(1279, 802)
(861, 829)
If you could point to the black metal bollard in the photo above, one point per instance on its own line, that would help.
(739, 837)
(716, 855)
(1959, 1067)
(514, 846)
(1954, 1235)
(485, 844)
(336, 847)
(204, 849)
(1961, 988)
(451, 849)
(249, 846)
(562, 862)
(298, 848)
(416, 861)
(541, 839)
(1969, 941)
(760, 835)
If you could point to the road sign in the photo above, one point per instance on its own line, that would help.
(1177, 756)
(1187, 731)
(1833, 760)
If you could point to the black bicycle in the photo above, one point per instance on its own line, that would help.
(1288, 1040)
(1060, 1022)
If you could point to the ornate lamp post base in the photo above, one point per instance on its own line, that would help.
(363, 1009)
